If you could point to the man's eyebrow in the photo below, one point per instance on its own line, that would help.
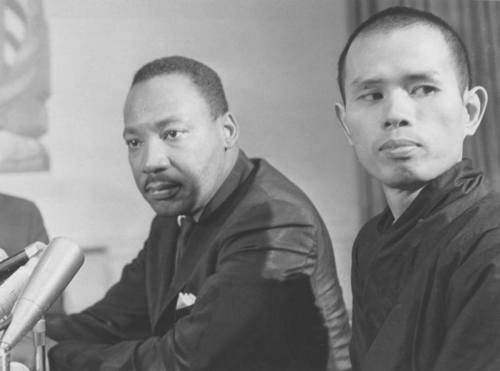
(160, 124)
(424, 76)
(421, 76)
(166, 121)
(359, 81)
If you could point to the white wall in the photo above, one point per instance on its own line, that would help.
(277, 59)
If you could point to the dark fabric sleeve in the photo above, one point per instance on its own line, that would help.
(328, 295)
(357, 346)
(246, 316)
(120, 315)
(472, 340)
(37, 231)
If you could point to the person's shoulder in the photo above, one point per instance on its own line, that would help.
(490, 203)
(477, 230)
(484, 214)
(16, 204)
(274, 186)
(269, 212)
(272, 192)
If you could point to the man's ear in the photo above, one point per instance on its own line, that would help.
(230, 130)
(475, 101)
(340, 111)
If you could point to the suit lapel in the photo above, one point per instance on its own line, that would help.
(164, 267)
(201, 239)
(198, 243)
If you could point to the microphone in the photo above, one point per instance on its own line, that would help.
(57, 266)
(12, 287)
(9, 265)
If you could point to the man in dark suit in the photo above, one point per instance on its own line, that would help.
(20, 224)
(238, 270)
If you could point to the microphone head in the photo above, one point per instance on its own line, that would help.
(11, 289)
(57, 266)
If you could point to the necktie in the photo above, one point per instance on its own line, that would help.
(186, 223)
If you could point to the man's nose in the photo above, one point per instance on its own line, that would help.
(156, 156)
(399, 110)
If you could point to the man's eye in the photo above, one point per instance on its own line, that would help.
(132, 143)
(372, 96)
(424, 90)
(171, 134)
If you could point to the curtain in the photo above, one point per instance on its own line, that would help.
(477, 21)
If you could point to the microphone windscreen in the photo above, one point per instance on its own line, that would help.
(12, 287)
(58, 264)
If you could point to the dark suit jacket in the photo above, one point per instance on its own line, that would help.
(261, 265)
(20, 224)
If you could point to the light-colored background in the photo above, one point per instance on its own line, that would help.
(277, 60)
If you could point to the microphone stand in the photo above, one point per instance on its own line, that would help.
(4, 352)
(4, 359)
(41, 363)
(39, 344)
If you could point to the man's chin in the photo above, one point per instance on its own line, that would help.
(409, 185)
(168, 208)
(404, 179)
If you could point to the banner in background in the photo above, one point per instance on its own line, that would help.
(24, 86)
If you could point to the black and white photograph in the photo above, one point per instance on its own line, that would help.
(249, 185)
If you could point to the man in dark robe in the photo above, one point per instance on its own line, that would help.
(237, 272)
(426, 271)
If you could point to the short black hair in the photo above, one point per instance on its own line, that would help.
(400, 17)
(206, 79)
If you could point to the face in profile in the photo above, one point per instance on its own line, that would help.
(175, 148)
(404, 111)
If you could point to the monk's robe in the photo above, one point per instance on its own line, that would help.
(426, 287)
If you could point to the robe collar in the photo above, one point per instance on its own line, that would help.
(455, 183)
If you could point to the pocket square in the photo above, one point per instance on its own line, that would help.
(184, 299)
